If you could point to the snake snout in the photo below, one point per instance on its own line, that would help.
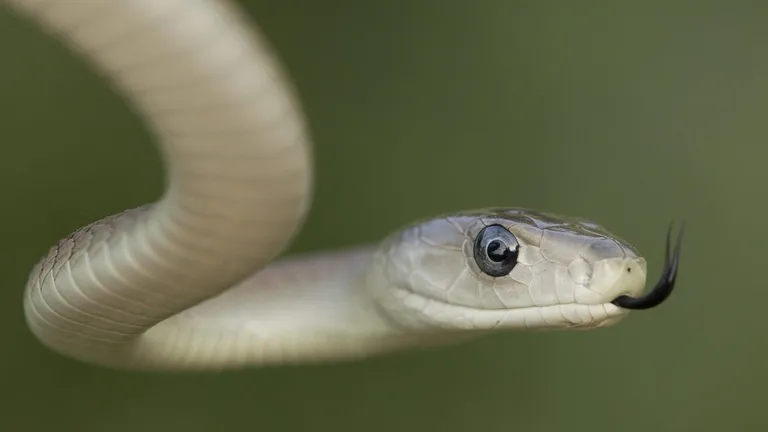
(615, 277)
(663, 287)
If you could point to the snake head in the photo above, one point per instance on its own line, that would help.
(512, 269)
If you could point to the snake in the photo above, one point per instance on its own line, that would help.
(201, 280)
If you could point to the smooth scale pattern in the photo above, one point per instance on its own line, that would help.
(189, 282)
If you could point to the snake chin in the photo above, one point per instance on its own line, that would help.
(422, 314)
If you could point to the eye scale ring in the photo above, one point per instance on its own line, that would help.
(496, 250)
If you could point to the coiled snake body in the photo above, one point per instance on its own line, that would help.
(188, 282)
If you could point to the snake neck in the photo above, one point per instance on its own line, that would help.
(309, 308)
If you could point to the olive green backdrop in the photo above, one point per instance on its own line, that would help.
(629, 113)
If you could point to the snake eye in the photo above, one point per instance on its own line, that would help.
(496, 251)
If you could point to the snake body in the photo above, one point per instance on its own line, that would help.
(191, 282)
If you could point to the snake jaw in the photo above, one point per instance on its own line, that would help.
(663, 287)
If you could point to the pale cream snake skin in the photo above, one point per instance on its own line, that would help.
(189, 282)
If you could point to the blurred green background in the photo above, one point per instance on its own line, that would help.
(628, 113)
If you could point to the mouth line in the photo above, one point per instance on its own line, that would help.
(666, 282)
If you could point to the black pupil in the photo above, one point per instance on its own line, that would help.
(497, 251)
